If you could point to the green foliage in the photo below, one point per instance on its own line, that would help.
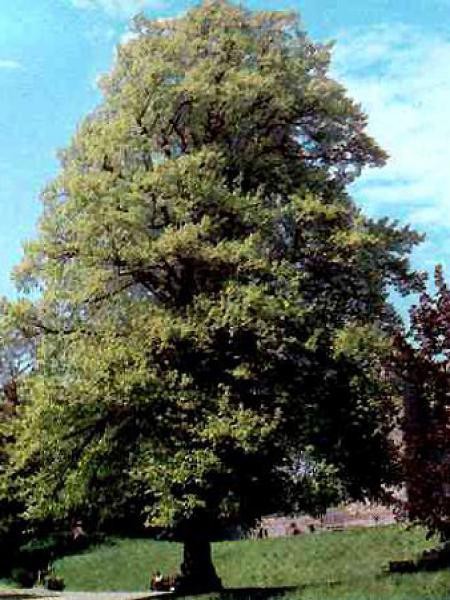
(212, 310)
(16, 361)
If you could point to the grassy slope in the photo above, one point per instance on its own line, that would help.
(339, 565)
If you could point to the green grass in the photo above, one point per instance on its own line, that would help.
(347, 565)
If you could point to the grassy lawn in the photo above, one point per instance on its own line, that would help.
(337, 565)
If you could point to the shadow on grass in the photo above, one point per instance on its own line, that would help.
(255, 593)
(243, 593)
(21, 595)
(264, 593)
(431, 560)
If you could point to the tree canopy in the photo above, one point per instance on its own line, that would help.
(210, 305)
(423, 368)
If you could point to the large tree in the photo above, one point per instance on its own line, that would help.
(211, 305)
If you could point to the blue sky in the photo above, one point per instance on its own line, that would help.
(393, 55)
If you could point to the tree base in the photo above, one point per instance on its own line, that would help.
(198, 585)
(198, 575)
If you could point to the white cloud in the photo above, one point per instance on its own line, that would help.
(128, 36)
(125, 8)
(9, 64)
(401, 77)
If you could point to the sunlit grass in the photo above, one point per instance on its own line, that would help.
(339, 565)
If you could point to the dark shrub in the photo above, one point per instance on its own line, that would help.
(55, 583)
(24, 577)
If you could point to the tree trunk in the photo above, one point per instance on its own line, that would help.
(198, 574)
